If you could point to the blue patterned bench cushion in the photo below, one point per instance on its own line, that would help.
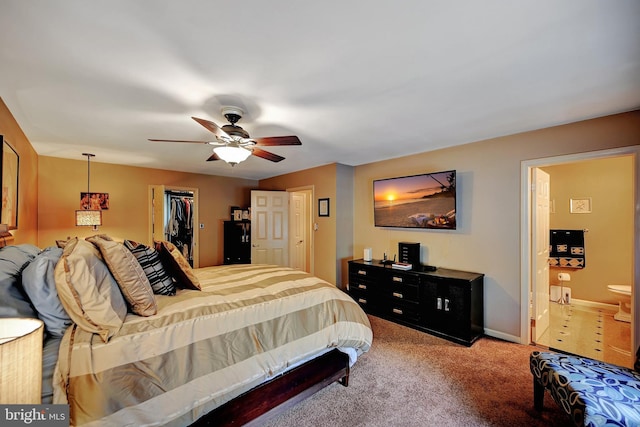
(591, 392)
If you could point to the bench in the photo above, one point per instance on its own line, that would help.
(591, 392)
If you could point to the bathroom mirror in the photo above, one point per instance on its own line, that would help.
(10, 163)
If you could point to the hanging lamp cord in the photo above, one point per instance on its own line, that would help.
(89, 156)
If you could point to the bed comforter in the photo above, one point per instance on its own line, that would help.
(203, 348)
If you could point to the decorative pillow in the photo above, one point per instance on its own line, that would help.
(14, 301)
(149, 260)
(177, 266)
(62, 243)
(88, 291)
(128, 273)
(39, 283)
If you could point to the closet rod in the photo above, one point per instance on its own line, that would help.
(179, 193)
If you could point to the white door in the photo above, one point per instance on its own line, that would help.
(540, 239)
(270, 227)
(157, 213)
(298, 247)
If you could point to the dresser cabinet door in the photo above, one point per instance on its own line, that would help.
(447, 306)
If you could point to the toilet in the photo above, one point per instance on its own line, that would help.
(623, 293)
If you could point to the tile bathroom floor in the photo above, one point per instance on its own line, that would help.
(589, 331)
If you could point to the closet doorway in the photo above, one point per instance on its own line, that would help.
(173, 217)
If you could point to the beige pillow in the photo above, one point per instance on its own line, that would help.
(127, 271)
(177, 266)
(88, 291)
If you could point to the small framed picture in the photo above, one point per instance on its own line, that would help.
(94, 201)
(323, 207)
(581, 205)
(237, 215)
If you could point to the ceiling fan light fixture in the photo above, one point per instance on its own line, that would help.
(232, 154)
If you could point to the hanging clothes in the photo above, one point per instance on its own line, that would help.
(179, 228)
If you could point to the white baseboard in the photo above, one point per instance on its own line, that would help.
(502, 336)
(594, 304)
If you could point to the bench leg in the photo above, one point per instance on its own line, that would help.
(538, 395)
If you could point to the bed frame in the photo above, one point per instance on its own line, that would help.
(280, 393)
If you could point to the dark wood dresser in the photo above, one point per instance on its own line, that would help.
(443, 302)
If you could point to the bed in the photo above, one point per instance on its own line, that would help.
(235, 343)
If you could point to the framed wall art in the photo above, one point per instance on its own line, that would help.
(10, 172)
(582, 205)
(94, 201)
(323, 207)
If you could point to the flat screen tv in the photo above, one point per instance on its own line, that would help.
(417, 201)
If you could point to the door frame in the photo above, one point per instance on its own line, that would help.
(196, 218)
(525, 231)
(310, 192)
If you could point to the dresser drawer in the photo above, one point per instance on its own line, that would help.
(362, 297)
(403, 278)
(360, 285)
(407, 311)
(363, 273)
(403, 293)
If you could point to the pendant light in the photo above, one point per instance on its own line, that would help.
(88, 216)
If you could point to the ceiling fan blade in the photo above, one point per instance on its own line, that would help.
(178, 140)
(213, 157)
(212, 127)
(266, 155)
(277, 140)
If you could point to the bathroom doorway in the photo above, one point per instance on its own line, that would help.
(590, 283)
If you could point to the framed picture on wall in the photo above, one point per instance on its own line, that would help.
(10, 164)
(94, 201)
(323, 207)
(581, 205)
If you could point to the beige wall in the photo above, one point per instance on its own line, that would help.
(27, 231)
(61, 180)
(488, 185)
(323, 179)
(609, 240)
(344, 222)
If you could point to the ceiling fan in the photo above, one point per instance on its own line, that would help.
(233, 144)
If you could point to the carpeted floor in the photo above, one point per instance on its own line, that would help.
(410, 378)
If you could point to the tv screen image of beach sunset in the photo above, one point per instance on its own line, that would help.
(417, 201)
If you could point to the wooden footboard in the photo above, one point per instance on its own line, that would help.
(281, 392)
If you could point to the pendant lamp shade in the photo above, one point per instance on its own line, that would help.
(88, 217)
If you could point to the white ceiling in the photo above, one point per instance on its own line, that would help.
(358, 81)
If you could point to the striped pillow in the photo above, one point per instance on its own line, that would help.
(149, 260)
